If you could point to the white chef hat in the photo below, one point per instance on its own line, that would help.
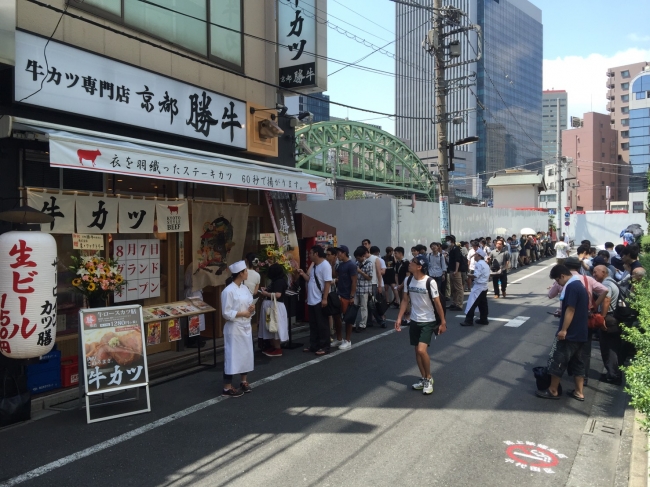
(237, 267)
(481, 252)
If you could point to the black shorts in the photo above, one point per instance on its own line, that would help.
(566, 355)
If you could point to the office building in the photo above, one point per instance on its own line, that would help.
(618, 84)
(316, 103)
(639, 132)
(502, 105)
(550, 120)
(593, 148)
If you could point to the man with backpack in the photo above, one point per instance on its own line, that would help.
(610, 339)
(427, 318)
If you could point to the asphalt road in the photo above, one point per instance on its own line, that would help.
(349, 418)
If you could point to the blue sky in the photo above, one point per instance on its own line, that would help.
(582, 38)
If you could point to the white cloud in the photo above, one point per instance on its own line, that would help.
(584, 78)
(634, 37)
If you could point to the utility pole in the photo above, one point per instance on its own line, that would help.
(559, 172)
(441, 116)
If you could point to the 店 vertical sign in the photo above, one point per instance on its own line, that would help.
(297, 39)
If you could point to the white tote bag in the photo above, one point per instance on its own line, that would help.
(272, 316)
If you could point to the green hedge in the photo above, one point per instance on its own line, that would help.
(645, 244)
(637, 374)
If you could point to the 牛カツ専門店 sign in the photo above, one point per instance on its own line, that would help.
(297, 43)
(73, 80)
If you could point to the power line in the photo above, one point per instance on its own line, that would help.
(364, 17)
(205, 63)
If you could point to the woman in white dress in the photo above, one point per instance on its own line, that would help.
(236, 308)
(278, 287)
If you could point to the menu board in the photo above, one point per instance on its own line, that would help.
(178, 309)
(114, 356)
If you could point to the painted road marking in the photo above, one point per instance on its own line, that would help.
(532, 456)
(517, 322)
(531, 274)
(37, 472)
(489, 318)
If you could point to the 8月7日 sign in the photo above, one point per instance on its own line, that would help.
(535, 457)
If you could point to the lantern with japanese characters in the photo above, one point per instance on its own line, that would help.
(28, 281)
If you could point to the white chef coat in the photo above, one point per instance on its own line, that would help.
(470, 259)
(481, 279)
(237, 332)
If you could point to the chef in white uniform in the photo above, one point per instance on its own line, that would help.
(478, 296)
(237, 308)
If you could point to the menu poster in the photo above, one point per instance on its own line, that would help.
(113, 354)
(174, 329)
(153, 333)
(194, 326)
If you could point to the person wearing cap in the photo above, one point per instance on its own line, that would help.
(346, 288)
(478, 295)
(421, 292)
(237, 308)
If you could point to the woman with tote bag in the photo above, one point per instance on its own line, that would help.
(274, 324)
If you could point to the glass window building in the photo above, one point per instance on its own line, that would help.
(639, 133)
(502, 105)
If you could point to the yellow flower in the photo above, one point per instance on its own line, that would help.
(91, 269)
(91, 286)
(269, 253)
(76, 282)
(118, 279)
(95, 260)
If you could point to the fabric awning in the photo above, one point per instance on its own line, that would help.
(115, 155)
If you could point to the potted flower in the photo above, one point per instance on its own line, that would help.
(96, 278)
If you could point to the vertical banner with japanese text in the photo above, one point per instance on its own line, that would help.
(96, 214)
(136, 215)
(114, 357)
(218, 235)
(58, 206)
(281, 209)
(172, 216)
(138, 261)
(297, 43)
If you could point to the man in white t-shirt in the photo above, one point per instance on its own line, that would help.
(561, 252)
(319, 279)
(422, 292)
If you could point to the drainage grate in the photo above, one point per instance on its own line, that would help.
(594, 426)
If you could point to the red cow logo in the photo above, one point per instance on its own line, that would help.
(312, 186)
(173, 209)
(89, 155)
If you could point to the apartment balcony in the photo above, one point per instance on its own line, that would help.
(610, 95)
(612, 121)
(610, 84)
(611, 106)
(610, 74)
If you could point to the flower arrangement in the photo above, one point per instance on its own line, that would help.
(96, 277)
(275, 255)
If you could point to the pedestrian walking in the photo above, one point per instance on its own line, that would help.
(377, 287)
(365, 270)
(569, 350)
(389, 276)
(457, 265)
(401, 271)
(478, 295)
(514, 252)
(438, 267)
(237, 308)
(499, 262)
(319, 280)
(273, 296)
(427, 318)
(346, 288)
(561, 252)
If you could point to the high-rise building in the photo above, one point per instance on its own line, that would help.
(316, 103)
(550, 120)
(639, 132)
(502, 105)
(619, 81)
(593, 148)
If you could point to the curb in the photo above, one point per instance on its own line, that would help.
(638, 473)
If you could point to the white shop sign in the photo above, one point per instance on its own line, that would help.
(92, 85)
(133, 160)
(297, 39)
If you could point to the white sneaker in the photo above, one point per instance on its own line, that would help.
(428, 386)
(345, 345)
(336, 343)
(418, 386)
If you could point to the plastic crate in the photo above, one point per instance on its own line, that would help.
(46, 374)
(70, 371)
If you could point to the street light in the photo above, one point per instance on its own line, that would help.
(465, 141)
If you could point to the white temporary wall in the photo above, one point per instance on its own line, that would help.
(393, 222)
(601, 227)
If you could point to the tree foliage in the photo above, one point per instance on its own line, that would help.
(355, 194)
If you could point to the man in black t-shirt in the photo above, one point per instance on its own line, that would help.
(457, 265)
(346, 287)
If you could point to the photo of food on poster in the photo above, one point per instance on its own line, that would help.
(114, 355)
(174, 329)
(153, 333)
(194, 325)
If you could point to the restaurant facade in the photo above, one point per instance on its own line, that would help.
(152, 134)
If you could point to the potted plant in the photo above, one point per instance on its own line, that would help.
(96, 278)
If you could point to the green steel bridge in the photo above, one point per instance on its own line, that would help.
(360, 156)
